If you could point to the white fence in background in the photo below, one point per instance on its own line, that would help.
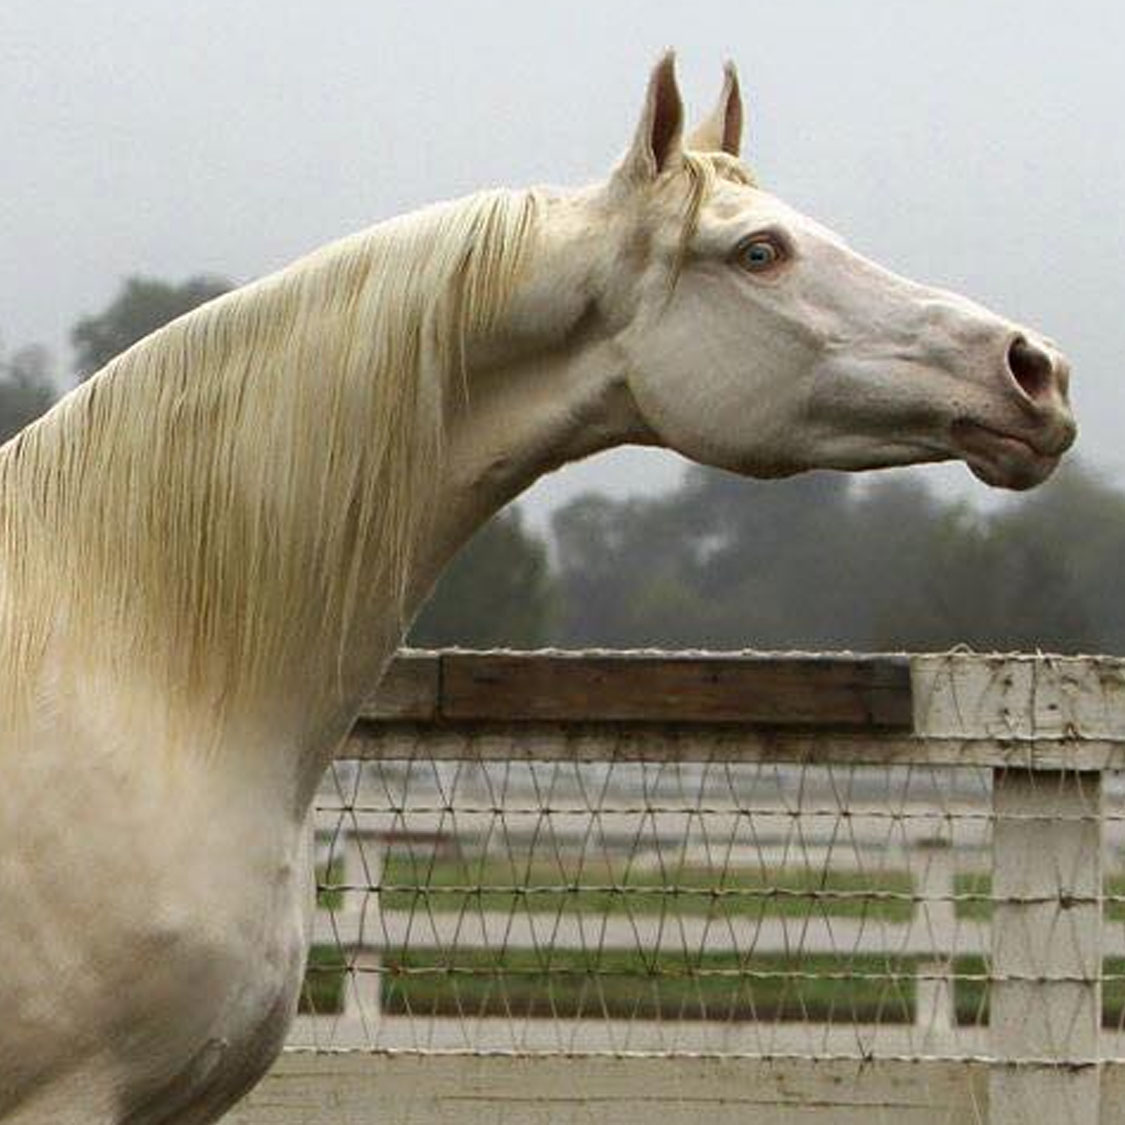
(782, 890)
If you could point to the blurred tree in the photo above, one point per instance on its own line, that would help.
(710, 564)
(496, 592)
(26, 389)
(142, 305)
(605, 549)
(817, 562)
(1055, 558)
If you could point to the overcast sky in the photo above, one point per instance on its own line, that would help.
(972, 144)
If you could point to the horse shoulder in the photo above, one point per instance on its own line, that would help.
(125, 896)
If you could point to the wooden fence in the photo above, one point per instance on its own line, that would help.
(1044, 737)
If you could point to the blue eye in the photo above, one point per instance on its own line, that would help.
(761, 252)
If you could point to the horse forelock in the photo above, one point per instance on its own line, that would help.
(704, 171)
(172, 517)
(693, 185)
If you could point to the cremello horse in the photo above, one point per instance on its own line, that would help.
(208, 552)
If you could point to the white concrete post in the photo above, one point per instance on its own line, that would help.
(363, 867)
(1045, 1000)
(934, 925)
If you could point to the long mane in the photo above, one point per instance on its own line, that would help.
(278, 444)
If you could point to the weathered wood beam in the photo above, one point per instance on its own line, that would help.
(808, 691)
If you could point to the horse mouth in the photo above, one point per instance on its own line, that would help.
(1003, 460)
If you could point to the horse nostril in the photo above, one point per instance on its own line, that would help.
(1031, 367)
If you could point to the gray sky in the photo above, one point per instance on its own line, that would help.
(967, 143)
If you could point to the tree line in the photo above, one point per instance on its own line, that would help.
(821, 561)
(825, 562)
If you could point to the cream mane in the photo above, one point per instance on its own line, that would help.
(169, 515)
(273, 450)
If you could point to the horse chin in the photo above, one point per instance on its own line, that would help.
(1002, 460)
(1016, 478)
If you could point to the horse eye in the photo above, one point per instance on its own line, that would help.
(760, 252)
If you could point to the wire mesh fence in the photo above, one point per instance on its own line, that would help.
(765, 909)
(946, 896)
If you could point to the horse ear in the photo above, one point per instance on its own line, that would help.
(657, 145)
(722, 130)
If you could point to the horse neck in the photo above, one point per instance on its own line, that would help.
(547, 390)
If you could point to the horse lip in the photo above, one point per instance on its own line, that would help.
(969, 433)
(1003, 459)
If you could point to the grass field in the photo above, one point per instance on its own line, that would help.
(980, 884)
(626, 984)
(568, 984)
(600, 888)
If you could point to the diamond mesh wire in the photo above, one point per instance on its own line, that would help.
(827, 911)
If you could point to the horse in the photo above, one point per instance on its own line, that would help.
(211, 549)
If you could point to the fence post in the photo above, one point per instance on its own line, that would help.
(1045, 995)
(934, 925)
(363, 868)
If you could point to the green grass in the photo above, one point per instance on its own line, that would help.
(970, 997)
(980, 909)
(1113, 993)
(598, 889)
(323, 992)
(327, 896)
(973, 883)
(624, 984)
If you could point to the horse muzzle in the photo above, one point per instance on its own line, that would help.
(1020, 447)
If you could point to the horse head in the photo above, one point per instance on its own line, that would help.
(755, 339)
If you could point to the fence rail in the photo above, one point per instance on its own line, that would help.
(772, 888)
